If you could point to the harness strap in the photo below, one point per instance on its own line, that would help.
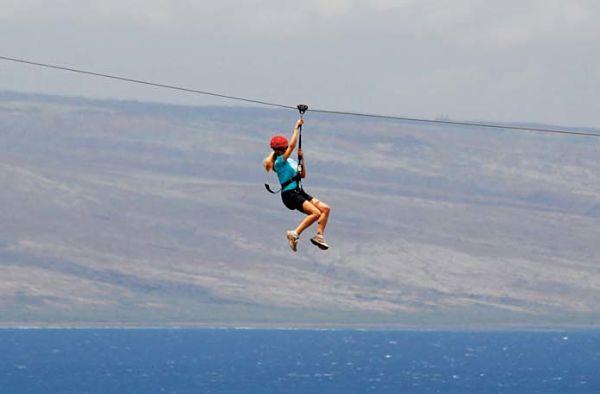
(285, 184)
(296, 178)
(302, 108)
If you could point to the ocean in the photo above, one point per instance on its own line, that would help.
(297, 361)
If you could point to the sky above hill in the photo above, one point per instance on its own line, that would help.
(510, 60)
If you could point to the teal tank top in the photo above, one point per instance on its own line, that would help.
(286, 170)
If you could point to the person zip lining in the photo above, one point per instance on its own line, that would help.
(289, 173)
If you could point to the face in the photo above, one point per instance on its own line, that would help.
(280, 151)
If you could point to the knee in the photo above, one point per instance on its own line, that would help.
(325, 209)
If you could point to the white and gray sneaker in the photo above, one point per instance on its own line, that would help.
(319, 241)
(293, 240)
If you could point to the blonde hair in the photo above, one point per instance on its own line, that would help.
(269, 162)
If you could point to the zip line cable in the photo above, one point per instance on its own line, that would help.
(323, 111)
(456, 123)
(160, 85)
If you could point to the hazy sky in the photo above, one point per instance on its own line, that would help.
(495, 60)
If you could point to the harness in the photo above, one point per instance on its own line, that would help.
(302, 108)
(296, 178)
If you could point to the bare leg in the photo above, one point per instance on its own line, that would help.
(325, 209)
(316, 211)
(313, 215)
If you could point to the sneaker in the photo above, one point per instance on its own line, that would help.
(319, 241)
(292, 239)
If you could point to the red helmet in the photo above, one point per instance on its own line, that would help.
(279, 142)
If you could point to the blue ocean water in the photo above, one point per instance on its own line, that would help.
(297, 361)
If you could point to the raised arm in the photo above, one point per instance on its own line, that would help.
(294, 139)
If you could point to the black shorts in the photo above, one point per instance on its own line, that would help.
(293, 199)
